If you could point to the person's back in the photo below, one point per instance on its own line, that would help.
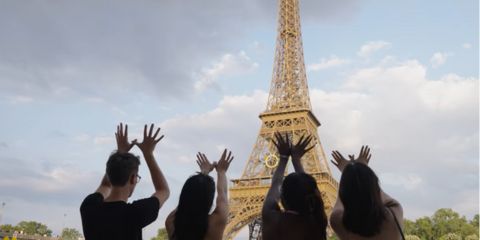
(106, 214)
(362, 210)
(291, 226)
(191, 219)
(388, 228)
(304, 216)
(117, 220)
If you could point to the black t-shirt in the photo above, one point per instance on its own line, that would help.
(116, 220)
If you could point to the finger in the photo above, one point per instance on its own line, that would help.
(121, 130)
(362, 150)
(204, 157)
(198, 163)
(274, 143)
(118, 129)
(145, 132)
(300, 140)
(307, 141)
(161, 137)
(279, 138)
(334, 163)
(368, 158)
(151, 130)
(224, 154)
(229, 155)
(310, 148)
(156, 133)
(126, 131)
(351, 157)
(231, 159)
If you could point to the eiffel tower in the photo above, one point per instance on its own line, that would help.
(288, 111)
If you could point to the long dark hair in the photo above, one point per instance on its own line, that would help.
(196, 198)
(359, 192)
(300, 194)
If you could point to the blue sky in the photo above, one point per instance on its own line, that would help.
(401, 76)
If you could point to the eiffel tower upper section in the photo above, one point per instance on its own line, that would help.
(289, 89)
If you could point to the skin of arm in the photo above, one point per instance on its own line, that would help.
(162, 192)
(219, 216)
(270, 205)
(105, 187)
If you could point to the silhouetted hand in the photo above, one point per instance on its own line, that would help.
(363, 157)
(123, 145)
(224, 162)
(284, 147)
(205, 166)
(299, 149)
(340, 161)
(149, 140)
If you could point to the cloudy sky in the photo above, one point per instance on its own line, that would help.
(401, 76)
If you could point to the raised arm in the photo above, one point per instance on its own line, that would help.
(270, 205)
(298, 150)
(150, 140)
(221, 210)
(123, 146)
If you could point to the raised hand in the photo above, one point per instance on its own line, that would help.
(363, 157)
(224, 162)
(123, 145)
(284, 147)
(205, 166)
(299, 149)
(150, 140)
(340, 161)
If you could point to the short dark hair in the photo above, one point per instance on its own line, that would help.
(359, 192)
(120, 166)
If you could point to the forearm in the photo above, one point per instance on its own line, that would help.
(277, 179)
(105, 187)
(297, 165)
(222, 188)
(158, 179)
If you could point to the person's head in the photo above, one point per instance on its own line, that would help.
(300, 194)
(196, 199)
(361, 197)
(122, 170)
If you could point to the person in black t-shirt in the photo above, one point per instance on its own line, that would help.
(106, 214)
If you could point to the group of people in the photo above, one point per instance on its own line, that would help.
(293, 207)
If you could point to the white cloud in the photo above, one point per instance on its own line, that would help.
(332, 61)
(19, 99)
(228, 65)
(103, 140)
(404, 180)
(439, 59)
(370, 47)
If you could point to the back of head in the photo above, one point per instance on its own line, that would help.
(120, 166)
(300, 194)
(359, 192)
(196, 198)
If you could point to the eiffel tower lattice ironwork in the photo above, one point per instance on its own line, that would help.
(288, 111)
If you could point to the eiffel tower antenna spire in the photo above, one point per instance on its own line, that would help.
(289, 112)
(289, 88)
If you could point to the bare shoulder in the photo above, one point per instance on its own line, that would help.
(169, 224)
(396, 207)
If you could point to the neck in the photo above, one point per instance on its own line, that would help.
(118, 194)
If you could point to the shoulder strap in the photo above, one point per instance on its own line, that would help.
(396, 222)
